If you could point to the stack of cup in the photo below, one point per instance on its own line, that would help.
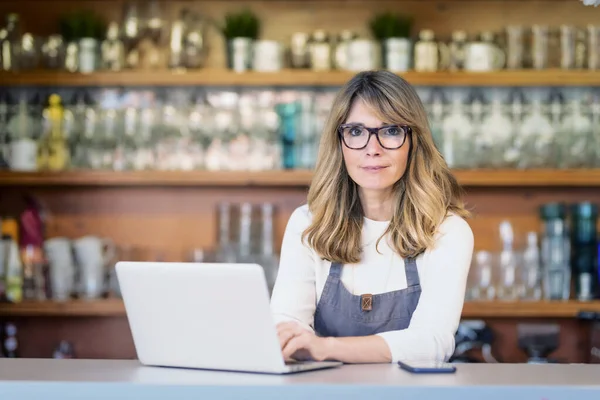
(93, 254)
(61, 267)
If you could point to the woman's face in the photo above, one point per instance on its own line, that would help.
(374, 168)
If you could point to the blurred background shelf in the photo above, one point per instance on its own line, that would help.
(523, 309)
(291, 77)
(483, 309)
(285, 178)
(71, 308)
(158, 178)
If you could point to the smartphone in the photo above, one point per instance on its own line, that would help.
(427, 367)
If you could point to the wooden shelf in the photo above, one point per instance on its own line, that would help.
(290, 77)
(157, 178)
(71, 308)
(283, 178)
(529, 178)
(523, 309)
(115, 308)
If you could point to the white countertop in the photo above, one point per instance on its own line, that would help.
(111, 379)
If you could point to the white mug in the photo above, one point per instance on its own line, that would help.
(94, 250)
(22, 155)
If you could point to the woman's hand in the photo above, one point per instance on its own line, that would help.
(300, 344)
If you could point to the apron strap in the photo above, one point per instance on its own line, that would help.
(335, 271)
(412, 274)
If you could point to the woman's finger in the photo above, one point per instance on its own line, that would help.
(285, 336)
(293, 345)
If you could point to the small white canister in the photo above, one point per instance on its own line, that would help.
(397, 54)
(268, 56)
(363, 55)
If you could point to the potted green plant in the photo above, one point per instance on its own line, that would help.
(84, 30)
(240, 30)
(393, 31)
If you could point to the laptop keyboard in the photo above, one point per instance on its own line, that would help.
(297, 365)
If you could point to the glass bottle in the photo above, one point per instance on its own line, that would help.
(267, 258)
(437, 117)
(484, 287)
(225, 251)
(288, 128)
(508, 289)
(516, 112)
(245, 233)
(595, 114)
(457, 50)
(458, 133)
(496, 147)
(247, 145)
(10, 50)
(427, 52)
(531, 277)
(584, 257)
(538, 136)
(108, 139)
(198, 124)
(113, 49)
(23, 146)
(144, 157)
(126, 147)
(578, 150)
(481, 140)
(557, 106)
(555, 252)
(320, 51)
(4, 135)
(306, 132)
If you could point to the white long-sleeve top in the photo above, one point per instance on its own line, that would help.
(443, 272)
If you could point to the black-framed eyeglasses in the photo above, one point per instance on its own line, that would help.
(390, 137)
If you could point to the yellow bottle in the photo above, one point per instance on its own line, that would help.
(54, 154)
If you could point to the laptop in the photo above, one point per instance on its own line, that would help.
(204, 315)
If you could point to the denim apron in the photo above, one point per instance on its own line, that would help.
(341, 313)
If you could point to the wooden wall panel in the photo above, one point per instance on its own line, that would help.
(520, 206)
(168, 223)
(282, 18)
(164, 223)
(574, 340)
(107, 337)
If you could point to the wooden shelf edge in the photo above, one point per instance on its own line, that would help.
(158, 178)
(471, 310)
(525, 309)
(71, 308)
(529, 177)
(285, 178)
(294, 77)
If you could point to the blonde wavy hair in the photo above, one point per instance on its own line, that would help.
(424, 195)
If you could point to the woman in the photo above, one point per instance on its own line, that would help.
(374, 267)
